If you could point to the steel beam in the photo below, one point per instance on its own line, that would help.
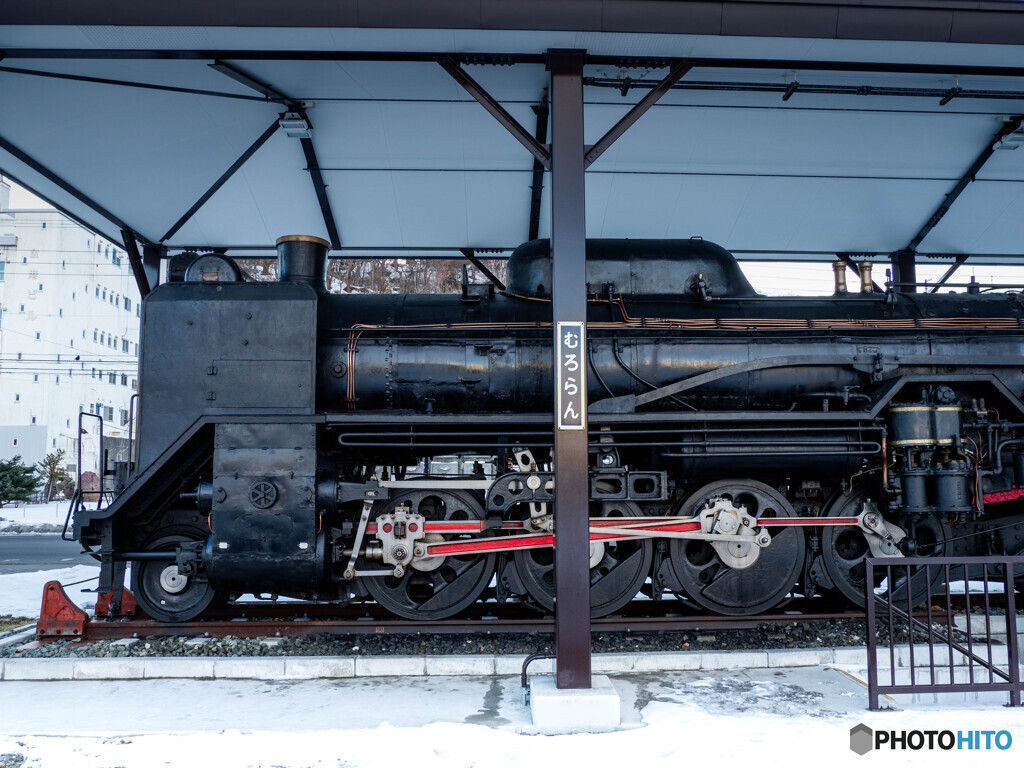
(949, 272)
(127, 83)
(904, 268)
(52, 177)
(260, 141)
(509, 57)
(131, 247)
(312, 165)
(945, 95)
(250, 82)
(1009, 127)
(622, 84)
(488, 102)
(952, 21)
(321, 191)
(470, 255)
(537, 185)
(569, 305)
(679, 69)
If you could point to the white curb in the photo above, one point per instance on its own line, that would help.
(336, 667)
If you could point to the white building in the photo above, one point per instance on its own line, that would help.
(69, 333)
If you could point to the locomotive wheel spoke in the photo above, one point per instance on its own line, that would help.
(739, 591)
(615, 579)
(845, 548)
(448, 588)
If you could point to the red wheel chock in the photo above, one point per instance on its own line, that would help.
(59, 616)
(128, 605)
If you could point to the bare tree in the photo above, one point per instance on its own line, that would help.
(387, 275)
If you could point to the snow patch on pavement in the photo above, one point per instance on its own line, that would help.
(21, 594)
(34, 518)
(674, 735)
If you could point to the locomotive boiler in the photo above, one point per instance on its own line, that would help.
(743, 448)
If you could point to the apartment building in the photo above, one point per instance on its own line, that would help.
(69, 337)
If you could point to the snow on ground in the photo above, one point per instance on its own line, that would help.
(21, 594)
(959, 588)
(34, 518)
(757, 717)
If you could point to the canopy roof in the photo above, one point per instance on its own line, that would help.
(800, 130)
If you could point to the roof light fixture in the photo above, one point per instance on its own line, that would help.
(296, 126)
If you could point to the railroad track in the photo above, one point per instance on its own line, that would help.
(63, 620)
(112, 630)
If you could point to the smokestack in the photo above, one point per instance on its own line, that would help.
(839, 267)
(303, 259)
(866, 286)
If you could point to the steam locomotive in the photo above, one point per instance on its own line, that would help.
(743, 448)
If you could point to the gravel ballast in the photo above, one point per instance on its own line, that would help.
(818, 634)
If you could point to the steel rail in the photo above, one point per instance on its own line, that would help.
(487, 624)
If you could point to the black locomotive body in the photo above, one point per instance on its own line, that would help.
(289, 438)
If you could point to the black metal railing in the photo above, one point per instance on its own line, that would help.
(132, 411)
(919, 600)
(78, 500)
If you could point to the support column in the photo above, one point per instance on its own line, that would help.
(569, 306)
(904, 269)
(131, 247)
(152, 255)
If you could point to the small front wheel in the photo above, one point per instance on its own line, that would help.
(163, 592)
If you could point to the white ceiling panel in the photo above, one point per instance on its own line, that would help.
(430, 210)
(319, 80)
(762, 213)
(987, 218)
(14, 169)
(270, 196)
(141, 154)
(411, 161)
(1005, 164)
(433, 135)
(793, 142)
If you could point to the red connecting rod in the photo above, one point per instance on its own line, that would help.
(626, 528)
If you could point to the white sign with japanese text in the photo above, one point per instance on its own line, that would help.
(571, 376)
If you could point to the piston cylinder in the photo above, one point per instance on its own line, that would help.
(947, 424)
(912, 426)
(915, 490)
(951, 488)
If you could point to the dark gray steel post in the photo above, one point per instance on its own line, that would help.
(904, 269)
(152, 255)
(569, 305)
